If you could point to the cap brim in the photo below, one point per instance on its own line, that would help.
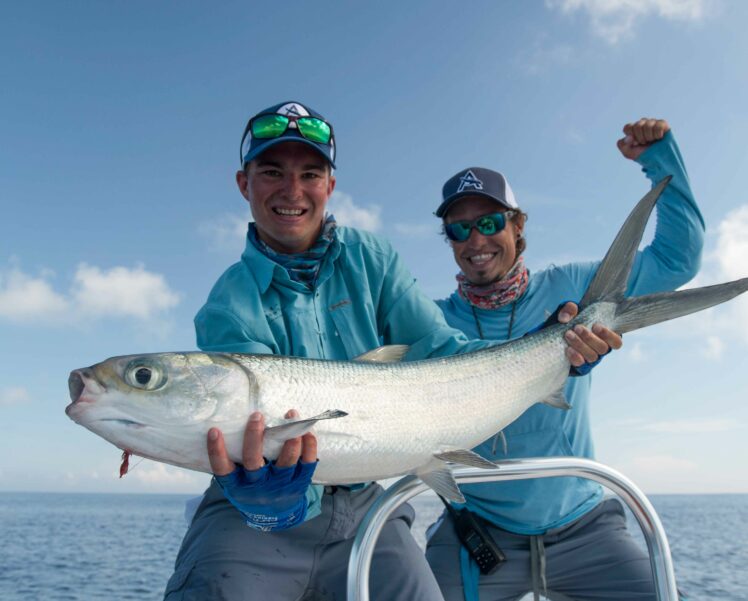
(254, 153)
(444, 207)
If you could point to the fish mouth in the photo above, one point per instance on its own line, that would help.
(84, 380)
(75, 385)
(83, 411)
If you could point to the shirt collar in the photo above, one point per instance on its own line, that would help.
(265, 270)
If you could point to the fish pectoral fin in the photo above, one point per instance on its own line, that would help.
(299, 427)
(557, 400)
(391, 353)
(437, 475)
(465, 457)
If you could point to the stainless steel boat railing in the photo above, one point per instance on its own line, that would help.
(520, 469)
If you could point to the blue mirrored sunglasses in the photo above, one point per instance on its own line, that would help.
(488, 225)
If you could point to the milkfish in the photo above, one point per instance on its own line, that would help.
(374, 417)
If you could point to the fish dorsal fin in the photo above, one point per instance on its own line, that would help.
(465, 457)
(298, 427)
(611, 279)
(557, 400)
(439, 477)
(391, 353)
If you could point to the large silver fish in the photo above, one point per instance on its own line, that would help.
(374, 417)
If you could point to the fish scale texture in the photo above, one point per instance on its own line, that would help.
(400, 414)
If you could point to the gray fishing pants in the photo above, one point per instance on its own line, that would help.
(222, 558)
(591, 559)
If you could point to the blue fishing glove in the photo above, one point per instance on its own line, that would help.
(583, 369)
(270, 498)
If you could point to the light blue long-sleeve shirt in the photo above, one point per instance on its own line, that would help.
(673, 258)
(363, 297)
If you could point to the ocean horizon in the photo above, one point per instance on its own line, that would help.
(111, 546)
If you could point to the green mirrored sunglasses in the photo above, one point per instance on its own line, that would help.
(274, 126)
(488, 225)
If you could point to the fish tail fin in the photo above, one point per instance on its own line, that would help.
(611, 278)
(639, 312)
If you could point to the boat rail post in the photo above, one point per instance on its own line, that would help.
(517, 469)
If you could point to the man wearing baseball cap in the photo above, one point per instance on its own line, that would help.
(559, 536)
(305, 287)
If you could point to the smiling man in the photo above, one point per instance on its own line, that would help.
(559, 536)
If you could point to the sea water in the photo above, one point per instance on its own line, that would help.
(87, 547)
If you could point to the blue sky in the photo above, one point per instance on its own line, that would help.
(120, 130)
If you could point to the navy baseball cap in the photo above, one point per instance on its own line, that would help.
(251, 147)
(476, 181)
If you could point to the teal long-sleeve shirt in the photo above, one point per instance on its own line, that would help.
(363, 297)
(672, 259)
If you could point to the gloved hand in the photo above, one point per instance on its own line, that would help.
(270, 498)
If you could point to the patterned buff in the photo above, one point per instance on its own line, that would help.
(301, 267)
(496, 294)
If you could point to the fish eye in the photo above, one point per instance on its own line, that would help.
(145, 376)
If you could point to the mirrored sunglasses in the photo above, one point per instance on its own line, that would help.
(488, 225)
(274, 126)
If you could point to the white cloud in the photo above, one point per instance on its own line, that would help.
(225, 233)
(636, 353)
(23, 297)
(432, 229)
(732, 245)
(14, 395)
(349, 213)
(615, 20)
(151, 472)
(122, 292)
(96, 293)
(661, 472)
(575, 136)
(539, 58)
(657, 472)
(714, 348)
(690, 426)
(728, 261)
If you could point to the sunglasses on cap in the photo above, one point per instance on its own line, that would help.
(265, 127)
(488, 225)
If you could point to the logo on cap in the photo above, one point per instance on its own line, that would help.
(293, 110)
(470, 181)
